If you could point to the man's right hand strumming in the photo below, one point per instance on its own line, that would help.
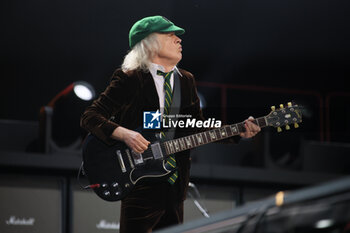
(133, 139)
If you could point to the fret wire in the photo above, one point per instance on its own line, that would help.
(191, 141)
(237, 129)
(218, 134)
(206, 137)
(220, 131)
(179, 143)
(200, 135)
(176, 146)
(172, 147)
(187, 146)
(199, 139)
(182, 144)
(223, 132)
(188, 142)
(167, 148)
(227, 132)
(233, 129)
(203, 142)
(194, 141)
(169, 145)
(240, 127)
(212, 135)
(257, 122)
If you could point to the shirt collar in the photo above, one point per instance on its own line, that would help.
(154, 67)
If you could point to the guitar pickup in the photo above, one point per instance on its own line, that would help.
(121, 161)
(127, 151)
(156, 151)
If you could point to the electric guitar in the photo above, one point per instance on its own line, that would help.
(114, 170)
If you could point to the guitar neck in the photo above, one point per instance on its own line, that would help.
(199, 139)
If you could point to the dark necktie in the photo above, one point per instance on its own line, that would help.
(167, 104)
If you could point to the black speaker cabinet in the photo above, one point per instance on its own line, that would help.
(92, 214)
(30, 204)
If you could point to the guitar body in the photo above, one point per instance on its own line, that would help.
(114, 170)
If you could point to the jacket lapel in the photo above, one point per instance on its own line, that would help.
(150, 92)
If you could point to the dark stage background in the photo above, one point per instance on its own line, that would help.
(246, 55)
(46, 45)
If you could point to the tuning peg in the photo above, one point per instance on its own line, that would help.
(279, 129)
(281, 106)
(296, 125)
(273, 108)
(287, 127)
(289, 104)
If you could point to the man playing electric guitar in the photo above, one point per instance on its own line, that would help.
(145, 82)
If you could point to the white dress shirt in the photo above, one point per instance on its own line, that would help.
(159, 82)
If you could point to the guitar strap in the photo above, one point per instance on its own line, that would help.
(176, 103)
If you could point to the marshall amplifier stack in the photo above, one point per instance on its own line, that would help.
(30, 204)
(90, 214)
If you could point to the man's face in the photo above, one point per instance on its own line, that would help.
(170, 47)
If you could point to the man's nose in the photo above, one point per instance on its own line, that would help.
(177, 40)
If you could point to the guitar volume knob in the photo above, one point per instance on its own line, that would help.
(106, 193)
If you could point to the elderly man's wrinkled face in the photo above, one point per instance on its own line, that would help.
(170, 47)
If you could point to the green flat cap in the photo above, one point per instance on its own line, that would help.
(142, 28)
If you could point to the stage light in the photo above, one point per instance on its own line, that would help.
(84, 90)
(324, 223)
(60, 119)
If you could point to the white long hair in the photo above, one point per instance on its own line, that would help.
(140, 56)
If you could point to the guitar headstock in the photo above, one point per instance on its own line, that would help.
(284, 116)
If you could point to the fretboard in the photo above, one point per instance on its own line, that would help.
(213, 135)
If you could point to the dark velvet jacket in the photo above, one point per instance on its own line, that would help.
(124, 101)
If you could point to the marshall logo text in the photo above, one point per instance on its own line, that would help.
(20, 221)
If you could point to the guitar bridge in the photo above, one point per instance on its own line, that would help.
(138, 159)
(156, 151)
